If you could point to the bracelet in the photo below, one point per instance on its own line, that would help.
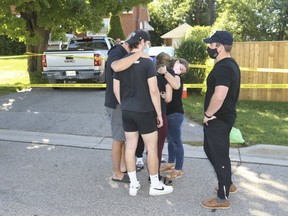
(164, 74)
(207, 115)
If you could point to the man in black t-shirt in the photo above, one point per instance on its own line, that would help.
(223, 86)
(137, 91)
(116, 63)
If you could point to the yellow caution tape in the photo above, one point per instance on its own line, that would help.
(29, 54)
(273, 70)
(59, 85)
(103, 85)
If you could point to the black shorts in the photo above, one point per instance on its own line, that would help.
(143, 122)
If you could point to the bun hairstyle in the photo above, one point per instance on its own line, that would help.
(163, 59)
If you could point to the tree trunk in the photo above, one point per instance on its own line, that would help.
(35, 62)
(41, 36)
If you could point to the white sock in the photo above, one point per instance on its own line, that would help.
(133, 178)
(154, 180)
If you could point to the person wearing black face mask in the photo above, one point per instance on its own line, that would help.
(213, 53)
(223, 87)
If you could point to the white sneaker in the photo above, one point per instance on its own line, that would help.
(162, 189)
(133, 189)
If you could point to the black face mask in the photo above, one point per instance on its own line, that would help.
(212, 52)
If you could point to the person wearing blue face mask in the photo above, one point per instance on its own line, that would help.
(223, 87)
(137, 92)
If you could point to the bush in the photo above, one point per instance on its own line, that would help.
(11, 47)
(115, 28)
(193, 49)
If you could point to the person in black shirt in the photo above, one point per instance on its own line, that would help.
(116, 63)
(137, 91)
(223, 86)
(175, 116)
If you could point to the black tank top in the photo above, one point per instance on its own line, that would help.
(176, 104)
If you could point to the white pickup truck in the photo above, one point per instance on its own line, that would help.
(84, 60)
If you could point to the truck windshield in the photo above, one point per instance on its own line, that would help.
(89, 43)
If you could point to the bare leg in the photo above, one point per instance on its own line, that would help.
(150, 141)
(116, 158)
(123, 164)
(131, 145)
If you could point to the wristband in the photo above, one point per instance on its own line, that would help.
(207, 115)
(164, 74)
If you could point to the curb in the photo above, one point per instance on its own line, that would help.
(259, 154)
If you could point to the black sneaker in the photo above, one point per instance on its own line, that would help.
(164, 180)
(139, 166)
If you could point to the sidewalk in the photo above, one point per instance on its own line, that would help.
(259, 154)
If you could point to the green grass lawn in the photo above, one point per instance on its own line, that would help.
(14, 71)
(260, 122)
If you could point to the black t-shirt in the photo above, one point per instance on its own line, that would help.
(115, 53)
(176, 104)
(134, 89)
(162, 82)
(226, 72)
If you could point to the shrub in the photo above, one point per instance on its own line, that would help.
(115, 28)
(193, 49)
(11, 46)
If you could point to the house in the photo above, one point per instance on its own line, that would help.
(137, 18)
(174, 37)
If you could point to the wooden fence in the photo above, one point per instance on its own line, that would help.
(268, 54)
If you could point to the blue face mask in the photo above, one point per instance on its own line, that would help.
(146, 48)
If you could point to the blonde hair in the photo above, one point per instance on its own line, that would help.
(163, 59)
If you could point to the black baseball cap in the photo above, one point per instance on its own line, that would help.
(137, 36)
(222, 37)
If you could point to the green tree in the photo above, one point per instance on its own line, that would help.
(253, 19)
(115, 28)
(163, 18)
(193, 49)
(33, 21)
(168, 14)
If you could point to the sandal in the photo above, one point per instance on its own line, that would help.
(166, 181)
(169, 167)
(175, 174)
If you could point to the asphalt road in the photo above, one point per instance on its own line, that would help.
(46, 180)
(66, 111)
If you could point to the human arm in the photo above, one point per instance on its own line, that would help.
(168, 93)
(116, 89)
(155, 97)
(124, 63)
(216, 102)
(172, 80)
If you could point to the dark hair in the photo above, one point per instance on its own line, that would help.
(228, 48)
(134, 45)
(181, 61)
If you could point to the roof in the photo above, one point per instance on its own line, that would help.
(177, 32)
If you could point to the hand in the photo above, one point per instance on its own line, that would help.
(163, 94)
(159, 121)
(206, 119)
(162, 70)
(177, 68)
